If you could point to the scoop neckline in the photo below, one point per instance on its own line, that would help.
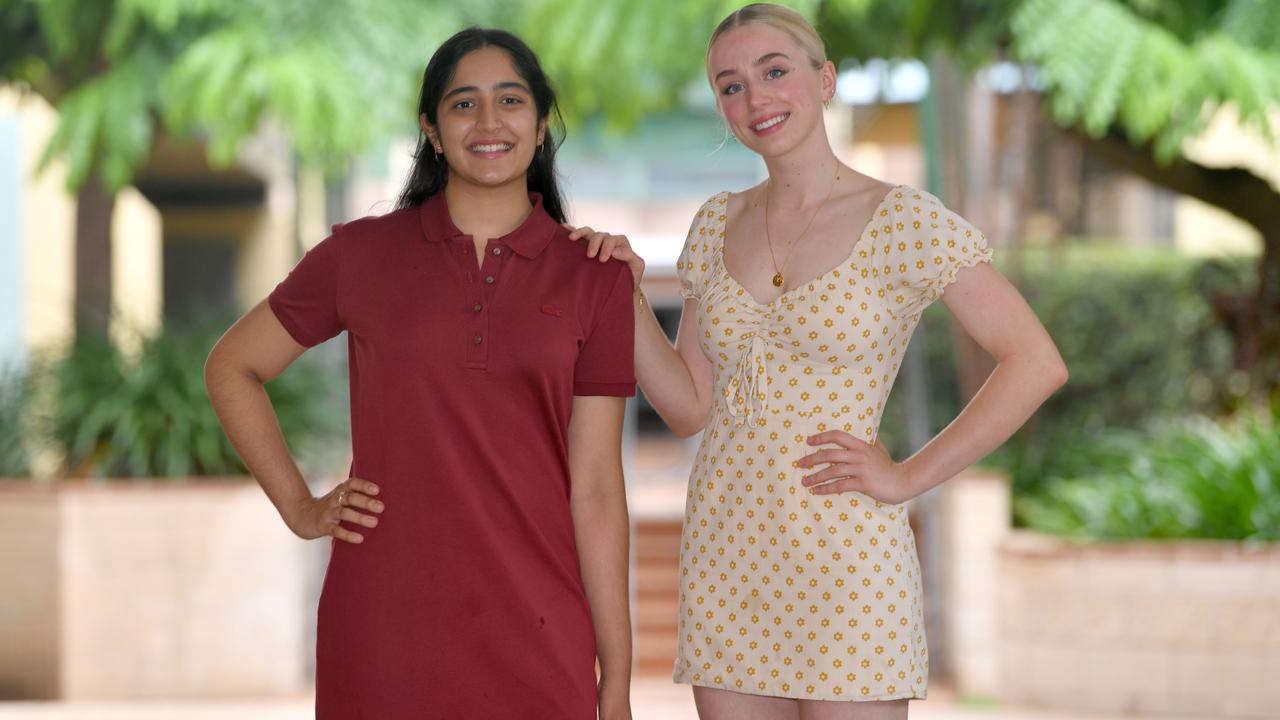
(724, 222)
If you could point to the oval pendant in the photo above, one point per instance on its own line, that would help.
(777, 280)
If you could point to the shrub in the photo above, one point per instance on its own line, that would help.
(149, 415)
(1189, 479)
(1137, 331)
(15, 394)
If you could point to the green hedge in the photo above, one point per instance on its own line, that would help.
(1137, 331)
(1187, 479)
(15, 394)
(107, 414)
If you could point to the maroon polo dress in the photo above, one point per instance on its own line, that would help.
(466, 601)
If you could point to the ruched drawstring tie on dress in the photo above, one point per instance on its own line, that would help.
(749, 385)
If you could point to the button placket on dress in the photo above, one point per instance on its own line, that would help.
(482, 286)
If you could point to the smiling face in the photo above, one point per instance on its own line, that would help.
(487, 122)
(770, 93)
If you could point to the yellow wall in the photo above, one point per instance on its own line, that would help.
(48, 227)
(49, 241)
(1204, 230)
(268, 249)
(137, 269)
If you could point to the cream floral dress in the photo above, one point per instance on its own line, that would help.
(782, 592)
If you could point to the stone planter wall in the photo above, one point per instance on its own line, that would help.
(973, 520)
(147, 590)
(1174, 627)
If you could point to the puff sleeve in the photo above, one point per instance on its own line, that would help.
(922, 246)
(695, 259)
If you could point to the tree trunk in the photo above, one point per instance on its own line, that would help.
(978, 155)
(1010, 226)
(1255, 319)
(95, 206)
(1066, 185)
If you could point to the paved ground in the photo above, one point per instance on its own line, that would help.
(652, 699)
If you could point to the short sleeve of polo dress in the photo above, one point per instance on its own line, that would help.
(466, 600)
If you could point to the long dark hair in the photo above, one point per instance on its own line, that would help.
(430, 173)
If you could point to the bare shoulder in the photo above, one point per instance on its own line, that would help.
(855, 200)
(859, 191)
(737, 201)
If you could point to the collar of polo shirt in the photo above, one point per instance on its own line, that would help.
(527, 240)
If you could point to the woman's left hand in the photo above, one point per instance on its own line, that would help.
(857, 466)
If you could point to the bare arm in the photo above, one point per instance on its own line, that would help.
(676, 380)
(601, 528)
(252, 353)
(1028, 370)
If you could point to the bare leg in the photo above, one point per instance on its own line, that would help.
(873, 710)
(715, 704)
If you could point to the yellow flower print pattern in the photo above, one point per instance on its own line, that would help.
(785, 593)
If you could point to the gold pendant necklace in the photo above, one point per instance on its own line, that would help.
(778, 279)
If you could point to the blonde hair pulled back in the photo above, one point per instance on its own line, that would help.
(778, 17)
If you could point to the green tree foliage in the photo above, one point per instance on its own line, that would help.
(336, 74)
(622, 59)
(1158, 70)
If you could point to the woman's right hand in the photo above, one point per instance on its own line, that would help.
(606, 246)
(318, 517)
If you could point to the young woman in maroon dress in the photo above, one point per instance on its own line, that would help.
(479, 565)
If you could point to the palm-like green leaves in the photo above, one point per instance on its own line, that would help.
(106, 123)
(338, 74)
(335, 74)
(15, 422)
(148, 415)
(1105, 65)
(621, 58)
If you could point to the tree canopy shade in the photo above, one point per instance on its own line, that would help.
(1156, 82)
(338, 73)
(335, 74)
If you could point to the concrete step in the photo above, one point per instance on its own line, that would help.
(656, 583)
(656, 541)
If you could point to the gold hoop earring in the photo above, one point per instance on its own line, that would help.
(826, 104)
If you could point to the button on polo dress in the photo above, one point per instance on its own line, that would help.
(466, 601)
(782, 592)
